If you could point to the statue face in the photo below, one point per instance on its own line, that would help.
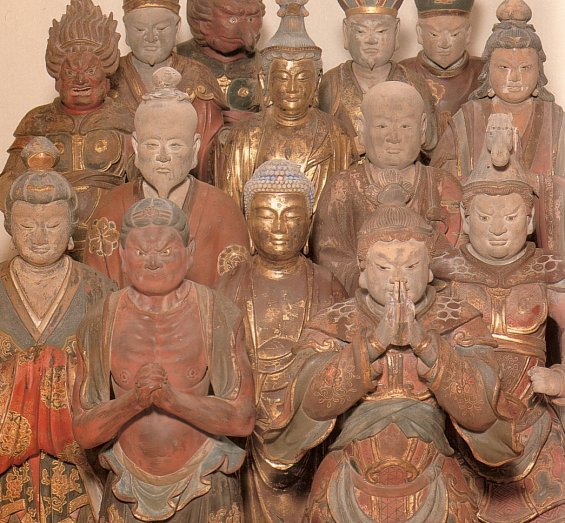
(393, 133)
(155, 259)
(233, 29)
(82, 82)
(292, 85)
(151, 33)
(514, 74)
(397, 261)
(371, 39)
(444, 38)
(498, 225)
(278, 224)
(41, 232)
(165, 144)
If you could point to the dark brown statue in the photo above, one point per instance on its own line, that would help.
(166, 146)
(279, 291)
(44, 295)
(395, 360)
(151, 31)
(91, 131)
(444, 31)
(164, 377)
(225, 35)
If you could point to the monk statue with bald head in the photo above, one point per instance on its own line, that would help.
(151, 31)
(225, 34)
(166, 144)
(392, 129)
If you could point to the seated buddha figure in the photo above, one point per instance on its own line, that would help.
(290, 127)
(392, 363)
(91, 130)
(279, 290)
(151, 32)
(518, 288)
(44, 295)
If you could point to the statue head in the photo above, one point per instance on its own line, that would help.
(498, 198)
(513, 58)
(82, 53)
(151, 28)
(227, 26)
(444, 30)
(165, 140)
(370, 30)
(41, 207)
(155, 246)
(292, 63)
(279, 202)
(393, 125)
(393, 246)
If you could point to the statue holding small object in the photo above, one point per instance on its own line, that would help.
(90, 129)
(44, 295)
(164, 378)
(290, 127)
(225, 35)
(279, 290)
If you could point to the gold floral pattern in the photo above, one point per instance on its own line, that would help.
(16, 478)
(113, 516)
(15, 435)
(224, 515)
(62, 482)
(7, 347)
(53, 389)
(103, 236)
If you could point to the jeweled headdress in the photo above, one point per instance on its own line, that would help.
(359, 7)
(443, 7)
(83, 27)
(171, 5)
(291, 41)
(278, 176)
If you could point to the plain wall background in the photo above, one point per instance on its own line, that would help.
(25, 83)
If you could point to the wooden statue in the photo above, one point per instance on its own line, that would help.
(444, 32)
(91, 131)
(279, 291)
(370, 30)
(517, 288)
(225, 35)
(395, 360)
(151, 31)
(44, 295)
(513, 82)
(392, 128)
(166, 146)
(291, 127)
(164, 377)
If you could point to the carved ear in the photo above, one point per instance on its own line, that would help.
(397, 29)
(122, 257)
(195, 149)
(424, 128)
(430, 276)
(135, 145)
(363, 280)
(532, 220)
(464, 218)
(361, 127)
(419, 33)
(345, 29)
(468, 32)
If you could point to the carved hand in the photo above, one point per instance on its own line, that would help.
(389, 327)
(546, 381)
(149, 378)
(420, 340)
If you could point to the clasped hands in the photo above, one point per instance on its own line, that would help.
(398, 325)
(152, 386)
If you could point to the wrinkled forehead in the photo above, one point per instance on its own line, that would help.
(372, 22)
(398, 252)
(444, 22)
(82, 60)
(239, 7)
(154, 236)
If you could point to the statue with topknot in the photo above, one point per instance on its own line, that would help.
(151, 32)
(278, 290)
(290, 126)
(166, 145)
(392, 363)
(513, 81)
(225, 34)
(44, 295)
(91, 130)
(163, 380)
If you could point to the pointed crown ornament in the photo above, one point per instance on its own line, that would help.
(291, 41)
(368, 7)
(171, 5)
(40, 184)
(427, 8)
(83, 27)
